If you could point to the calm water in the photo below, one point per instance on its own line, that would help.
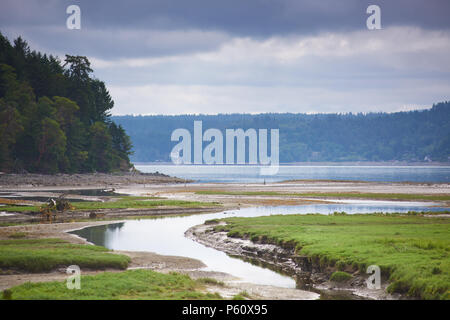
(247, 173)
(166, 235)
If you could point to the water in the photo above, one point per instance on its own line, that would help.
(248, 173)
(166, 235)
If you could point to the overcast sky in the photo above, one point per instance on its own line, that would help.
(209, 56)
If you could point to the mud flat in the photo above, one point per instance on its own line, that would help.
(258, 194)
(307, 186)
(106, 214)
(8, 181)
(307, 274)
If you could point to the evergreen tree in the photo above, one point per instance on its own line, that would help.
(54, 117)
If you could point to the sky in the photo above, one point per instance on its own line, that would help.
(249, 56)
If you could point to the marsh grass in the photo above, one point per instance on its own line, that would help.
(412, 251)
(121, 203)
(43, 255)
(211, 281)
(127, 285)
(125, 203)
(340, 276)
(18, 235)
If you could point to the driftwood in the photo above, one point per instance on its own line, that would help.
(53, 207)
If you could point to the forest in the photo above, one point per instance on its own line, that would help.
(413, 136)
(54, 115)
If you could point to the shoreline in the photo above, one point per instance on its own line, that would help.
(85, 180)
(392, 163)
(107, 214)
(307, 274)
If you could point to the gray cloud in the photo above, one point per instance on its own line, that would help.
(118, 43)
(167, 56)
(103, 21)
(255, 17)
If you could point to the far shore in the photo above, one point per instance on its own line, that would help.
(331, 163)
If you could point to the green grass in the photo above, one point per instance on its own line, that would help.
(127, 285)
(340, 276)
(16, 208)
(413, 251)
(134, 217)
(243, 295)
(211, 281)
(120, 203)
(107, 218)
(390, 196)
(125, 203)
(43, 255)
(18, 235)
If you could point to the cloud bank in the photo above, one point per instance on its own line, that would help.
(198, 56)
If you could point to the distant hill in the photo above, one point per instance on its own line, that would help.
(406, 136)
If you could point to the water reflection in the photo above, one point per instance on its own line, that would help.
(100, 235)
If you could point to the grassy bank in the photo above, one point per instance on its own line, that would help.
(350, 195)
(120, 203)
(106, 218)
(42, 255)
(413, 251)
(131, 284)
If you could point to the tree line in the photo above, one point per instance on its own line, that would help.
(421, 135)
(54, 115)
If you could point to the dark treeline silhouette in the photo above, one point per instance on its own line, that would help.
(407, 136)
(54, 116)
